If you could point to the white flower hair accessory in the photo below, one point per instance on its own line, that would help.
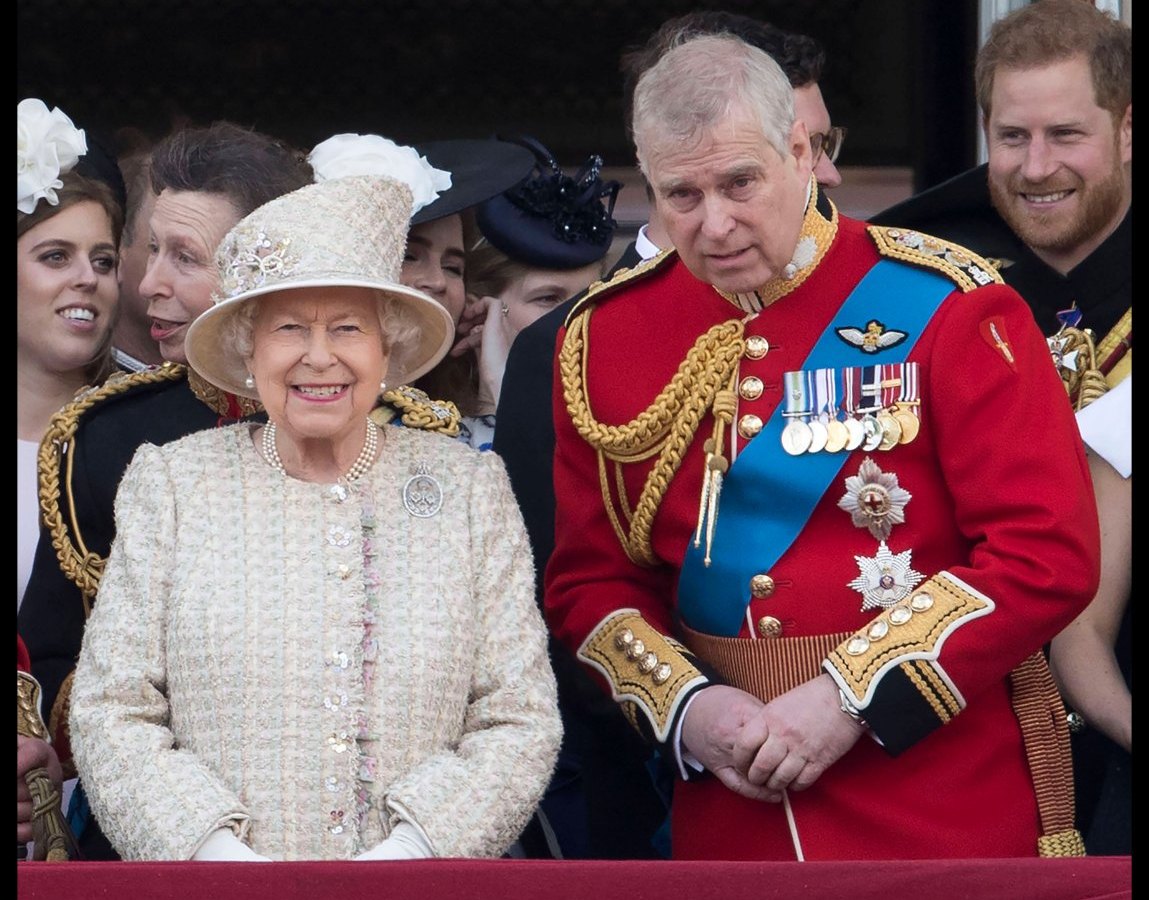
(370, 154)
(48, 145)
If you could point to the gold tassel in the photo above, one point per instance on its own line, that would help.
(716, 464)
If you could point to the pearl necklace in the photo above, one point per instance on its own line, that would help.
(361, 465)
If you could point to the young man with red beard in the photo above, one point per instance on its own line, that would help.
(1054, 208)
(1054, 204)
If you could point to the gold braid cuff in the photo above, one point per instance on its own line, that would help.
(909, 636)
(648, 672)
(54, 466)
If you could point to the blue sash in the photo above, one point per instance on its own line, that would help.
(768, 495)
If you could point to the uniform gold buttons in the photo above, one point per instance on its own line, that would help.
(756, 346)
(769, 627)
(750, 388)
(749, 426)
(761, 586)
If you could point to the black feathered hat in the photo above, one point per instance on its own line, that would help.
(550, 219)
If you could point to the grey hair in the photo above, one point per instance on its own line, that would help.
(398, 328)
(703, 80)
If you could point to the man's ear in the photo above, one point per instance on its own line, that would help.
(800, 147)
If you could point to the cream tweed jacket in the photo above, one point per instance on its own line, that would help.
(221, 677)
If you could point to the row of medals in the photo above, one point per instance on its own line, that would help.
(882, 429)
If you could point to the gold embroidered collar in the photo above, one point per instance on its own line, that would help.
(813, 242)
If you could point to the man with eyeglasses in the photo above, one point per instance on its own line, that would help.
(622, 809)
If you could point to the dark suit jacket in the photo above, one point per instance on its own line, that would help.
(623, 806)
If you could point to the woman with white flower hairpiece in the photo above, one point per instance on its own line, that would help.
(69, 215)
(276, 667)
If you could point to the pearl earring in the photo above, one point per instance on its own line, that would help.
(249, 382)
(382, 386)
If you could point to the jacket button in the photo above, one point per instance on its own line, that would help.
(756, 346)
(769, 627)
(750, 388)
(749, 426)
(761, 586)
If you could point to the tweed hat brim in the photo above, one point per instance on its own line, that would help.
(214, 358)
(341, 232)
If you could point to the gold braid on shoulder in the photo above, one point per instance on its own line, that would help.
(704, 382)
(79, 564)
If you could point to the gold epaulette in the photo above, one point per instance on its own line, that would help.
(417, 410)
(649, 673)
(964, 267)
(54, 469)
(599, 289)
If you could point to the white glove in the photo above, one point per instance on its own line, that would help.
(405, 842)
(223, 846)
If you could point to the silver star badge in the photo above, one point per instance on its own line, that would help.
(874, 499)
(1063, 357)
(886, 578)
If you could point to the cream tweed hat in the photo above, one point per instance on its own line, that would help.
(343, 232)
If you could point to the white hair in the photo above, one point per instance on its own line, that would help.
(702, 81)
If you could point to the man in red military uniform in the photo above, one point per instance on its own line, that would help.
(804, 532)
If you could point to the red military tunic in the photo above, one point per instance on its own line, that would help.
(1001, 524)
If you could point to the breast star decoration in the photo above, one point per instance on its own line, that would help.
(875, 500)
(886, 578)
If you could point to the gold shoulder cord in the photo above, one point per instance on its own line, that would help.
(418, 410)
(219, 400)
(78, 563)
(704, 380)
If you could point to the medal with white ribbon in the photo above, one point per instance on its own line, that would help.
(797, 436)
(906, 406)
(823, 381)
(891, 384)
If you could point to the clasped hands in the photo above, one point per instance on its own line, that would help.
(761, 749)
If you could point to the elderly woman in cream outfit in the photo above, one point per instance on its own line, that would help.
(316, 639)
